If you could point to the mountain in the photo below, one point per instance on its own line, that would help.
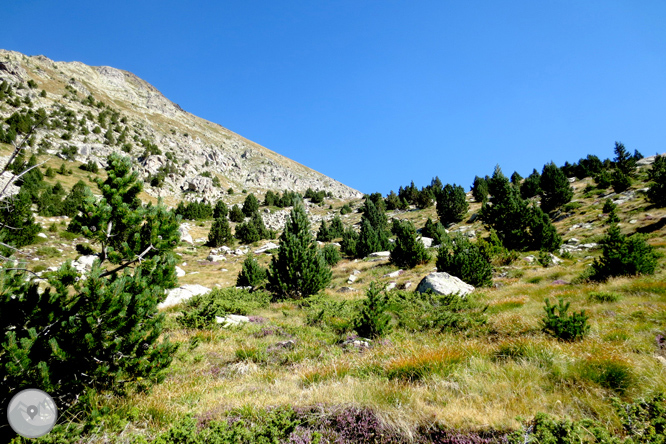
(92, 111)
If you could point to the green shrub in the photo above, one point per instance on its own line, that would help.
(429, 311)
(331, 255)
(373, 319)
(346, 209)
(657, 174)
(236, 214)
(544, 259)
(200, 311)
(408, 251)
(562, 326)
(465, 261)
(622, 256)
(555, 188)
(252, 274)
(603, 296)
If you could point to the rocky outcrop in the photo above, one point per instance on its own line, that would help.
(444, 283)
(192, 145)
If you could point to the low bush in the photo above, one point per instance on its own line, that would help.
(252, 275)
(331, 255)
(603, 296)
(466, 262)
(562, 326)
(373, 320)
(200, 311)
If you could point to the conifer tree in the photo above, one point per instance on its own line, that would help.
(531, 186)
(516, 178)
(435, 231)
(392, 201)
(336, 228)
(623, 256)
(236, 214)
(451, 204)
(349, 241)
(555, 188)
(220, 233)
(657, 191)
(323, 234)
(480, 189)
(250, 205)
(252, 275)
(408, 251)
(220, 209)
(101, 332)
(16, 220)
(465, 261)
(374, 233)
(298, 269)
(624, 162)
(373, 320)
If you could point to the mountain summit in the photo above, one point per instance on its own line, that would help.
(92, 111)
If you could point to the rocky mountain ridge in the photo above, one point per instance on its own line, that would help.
(97, 110)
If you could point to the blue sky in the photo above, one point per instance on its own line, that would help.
(379, 93)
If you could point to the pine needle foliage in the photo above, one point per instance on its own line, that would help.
(252, 275)
(623, 256)
(103, 332)
(451, 204)
(298, 269)
(465, 260)
(220, 233)
(408, 251)
(373, 320)
(564, 327)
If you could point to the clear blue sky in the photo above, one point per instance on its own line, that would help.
(378, 93)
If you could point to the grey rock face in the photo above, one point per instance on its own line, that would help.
(177, 295)
(444, 283)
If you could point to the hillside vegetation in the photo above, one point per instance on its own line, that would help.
(561, 340)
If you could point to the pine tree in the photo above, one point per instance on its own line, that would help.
(620, 181)
(555, 188)
(435, 231)
(336, 228)
(16, 220)
(480, 189)
(220, 209)
(451, 204)
(408, 251)
(323, 234)
(252, 275)
(220, 233)
(374, 234)
(349, 241)
(624, 162)
(623, 256)
(373, 320)
(250, 205)
(657, 191)
(516, 178)
(531, 186)
(298, 269)
(392, 201)
(236, 214)
(465, 261)
(101, 332)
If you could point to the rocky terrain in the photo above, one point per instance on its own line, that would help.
(198, 158)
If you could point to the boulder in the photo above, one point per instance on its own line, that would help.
(352, 278)
(177, 295)
(380, 254)
(426, 241)
(179, 272)
(84, 263)
(266, 247)
(216, 258)
(42, 235)
(185, 236)
(231, 320)
(390, 286)
(394, 274)
(444, 283)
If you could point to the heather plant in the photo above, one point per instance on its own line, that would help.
(560, 325)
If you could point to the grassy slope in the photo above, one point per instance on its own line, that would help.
(490, 379)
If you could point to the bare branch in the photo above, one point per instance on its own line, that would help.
(139, 258)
